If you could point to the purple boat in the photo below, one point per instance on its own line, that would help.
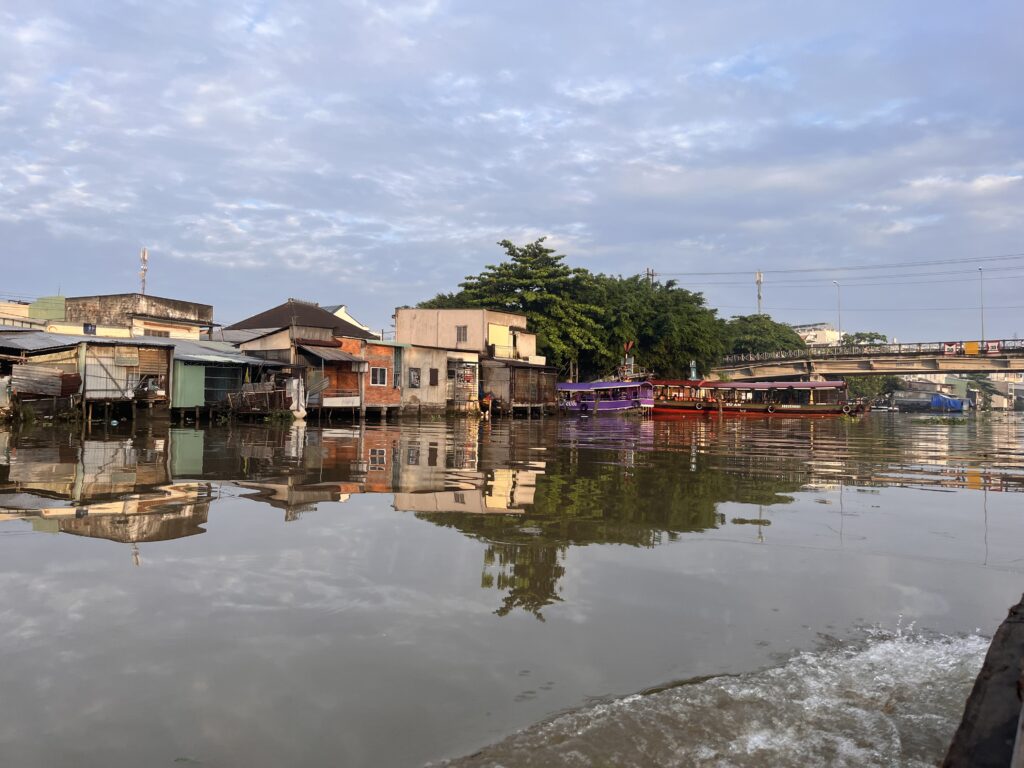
(601, 396)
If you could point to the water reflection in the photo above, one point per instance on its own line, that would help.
(455, 582)
(528, 490)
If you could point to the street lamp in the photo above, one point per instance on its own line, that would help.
(981, 293)
(839, 310)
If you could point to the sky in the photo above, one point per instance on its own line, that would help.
(373, 153)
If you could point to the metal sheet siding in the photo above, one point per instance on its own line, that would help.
(36, 380)
(104, 379)
(187, 391)
(152, 361)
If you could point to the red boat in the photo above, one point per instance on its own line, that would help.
(690, 397)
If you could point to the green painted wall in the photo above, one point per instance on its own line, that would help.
(187, 389)
(47, 308)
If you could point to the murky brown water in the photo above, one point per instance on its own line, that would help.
(561, 592)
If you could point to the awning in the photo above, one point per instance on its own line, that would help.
(332, 354)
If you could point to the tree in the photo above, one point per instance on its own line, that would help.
(865, 337)
(985, 389)
(585, 319)
(873, 387)
(750, 334)
(535, 282)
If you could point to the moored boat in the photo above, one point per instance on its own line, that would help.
(753, 398)
(601, 396)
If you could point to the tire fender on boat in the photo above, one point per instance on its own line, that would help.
(846, 409)
(771, 409)
(699, 406)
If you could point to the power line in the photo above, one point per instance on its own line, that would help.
(872, 309)
(859, 267)
(817, 280)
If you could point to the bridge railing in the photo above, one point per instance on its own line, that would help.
(945, 348)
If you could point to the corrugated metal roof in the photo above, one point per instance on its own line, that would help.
(39, 341)
(241, 335)
(775, 384)
(331, 353)
(212, 352)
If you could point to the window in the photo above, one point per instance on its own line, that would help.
(414, 378)
(89, 329)
(159, 334)
(378, 458)
(461, 333)
(413, 458)
(433, 377)
(379, 377)
(460, 497)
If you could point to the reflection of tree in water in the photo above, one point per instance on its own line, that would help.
(579, 502)
(529, 573)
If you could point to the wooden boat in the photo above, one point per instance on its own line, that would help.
(601, 396)
(685, 397)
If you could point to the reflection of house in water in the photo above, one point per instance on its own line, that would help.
(96, 470)
(169, 512)
(117, 489)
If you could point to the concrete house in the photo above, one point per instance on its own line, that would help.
(123, 315)
(505, 367)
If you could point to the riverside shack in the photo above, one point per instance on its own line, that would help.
(112, 372)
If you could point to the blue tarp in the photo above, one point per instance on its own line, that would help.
(946, 403)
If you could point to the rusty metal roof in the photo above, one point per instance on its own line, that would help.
(331, 353)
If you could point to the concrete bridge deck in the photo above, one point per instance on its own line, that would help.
(887, 359)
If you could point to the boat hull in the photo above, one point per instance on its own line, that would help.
(610, 406)
(697, 409)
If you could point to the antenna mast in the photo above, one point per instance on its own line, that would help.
(143, 268)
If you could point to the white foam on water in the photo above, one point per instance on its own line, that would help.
(889, 699)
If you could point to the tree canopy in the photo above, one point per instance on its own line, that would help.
(749, 334)
(583, 320)
(865, 337)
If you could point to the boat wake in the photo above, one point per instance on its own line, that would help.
(886, 699)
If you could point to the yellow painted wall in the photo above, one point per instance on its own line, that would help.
(499, 335)
(75, 329)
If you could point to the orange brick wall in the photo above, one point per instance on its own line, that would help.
(377, 356)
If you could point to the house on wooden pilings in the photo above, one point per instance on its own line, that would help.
(505, 369)
(342, 365)
(60, 372)
(56, 372)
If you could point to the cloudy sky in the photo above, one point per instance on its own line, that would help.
(372, 153)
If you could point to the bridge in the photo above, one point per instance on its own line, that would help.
(884, 359)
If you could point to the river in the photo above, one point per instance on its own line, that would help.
(561, 592)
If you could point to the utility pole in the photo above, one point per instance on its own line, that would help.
(649, 274)
(839, 310)
(759, 278)
(981, 293)
(143, 268)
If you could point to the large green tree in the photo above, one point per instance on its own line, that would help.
(534, 281)
(865, 337)
(873, 386)
(746, 334)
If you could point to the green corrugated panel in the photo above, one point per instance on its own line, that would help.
(187, 389)
(47, 308)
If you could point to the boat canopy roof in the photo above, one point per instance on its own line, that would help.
(775, 384)
(596, 385)
(678, 382)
